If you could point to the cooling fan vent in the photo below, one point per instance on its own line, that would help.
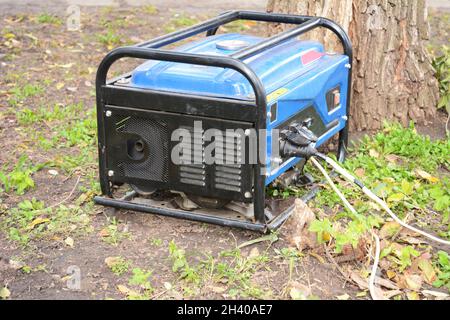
(152, 142)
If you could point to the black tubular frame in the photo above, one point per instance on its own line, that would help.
(150, 50)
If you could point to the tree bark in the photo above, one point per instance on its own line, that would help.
(392, 74)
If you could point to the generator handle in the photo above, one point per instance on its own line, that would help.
(299, 20)
(211, 26)
(182, 57)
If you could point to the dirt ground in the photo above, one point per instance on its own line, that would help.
(46, 60)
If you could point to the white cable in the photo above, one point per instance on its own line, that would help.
(353, 210)
(383, 204)
(333, 186)
(373, 274)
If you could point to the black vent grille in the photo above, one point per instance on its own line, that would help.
(192, 170)
(154, 134)
(228, 172)
(228, 177)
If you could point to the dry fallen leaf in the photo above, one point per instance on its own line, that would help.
(362, 283)
(122, 289)
(437, 294)
(299, 291)
(4, 293)
(112, 261)
(296, 228)
(427, 270)
(373, 153)
(65, 66)
(389, 229)
(16, 264)
(391, 274)
(360, 172)
(345, 296)
(69, 241)
(104, 233)
(413, 281)
(318, 257)
(254, 253)
(36, 222)
(386, 283)
(387, 294)
(168, 285)
(426, 176)
(412, 295)
(217, 289)
(392, 158)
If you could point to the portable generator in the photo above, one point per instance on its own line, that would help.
(242, 101)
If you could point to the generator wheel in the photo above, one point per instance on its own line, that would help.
(207, 202)
(143, 190)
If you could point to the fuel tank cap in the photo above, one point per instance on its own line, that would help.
(231, 44)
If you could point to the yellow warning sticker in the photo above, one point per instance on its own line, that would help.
(277, 93)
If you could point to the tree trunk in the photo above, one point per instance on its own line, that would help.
(392, 75)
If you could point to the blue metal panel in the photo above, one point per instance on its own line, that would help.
(311, 89)
(274, 67)
(282, 71)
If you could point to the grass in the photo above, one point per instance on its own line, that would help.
(150, 9)
(443, 266)
(118, 265)
(27, 116)
(441, 65)
(229, 268)
(46, 18)
(19, 178)
(238, 26)
(31, 220)
(403, 167)
(408, 171)
(110, 39)
(180, 21)
(112, 234)
(68, 130)
(20, 93)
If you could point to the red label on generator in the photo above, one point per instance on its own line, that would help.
(311, 56)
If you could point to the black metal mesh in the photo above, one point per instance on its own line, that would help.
(154, 133)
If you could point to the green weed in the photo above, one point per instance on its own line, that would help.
(238, 26)
(27, 116)
(156, 242)
(32, 220)
(112, 234)
(180, 21)
(20, 94)
(181, 265)
(150, 9)
(47, 18)
(19, 179)
(120, 266)
(441, 65)
(141, 278)
(110, 39)
(443, 265)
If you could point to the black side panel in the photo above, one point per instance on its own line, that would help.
(138, 146)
